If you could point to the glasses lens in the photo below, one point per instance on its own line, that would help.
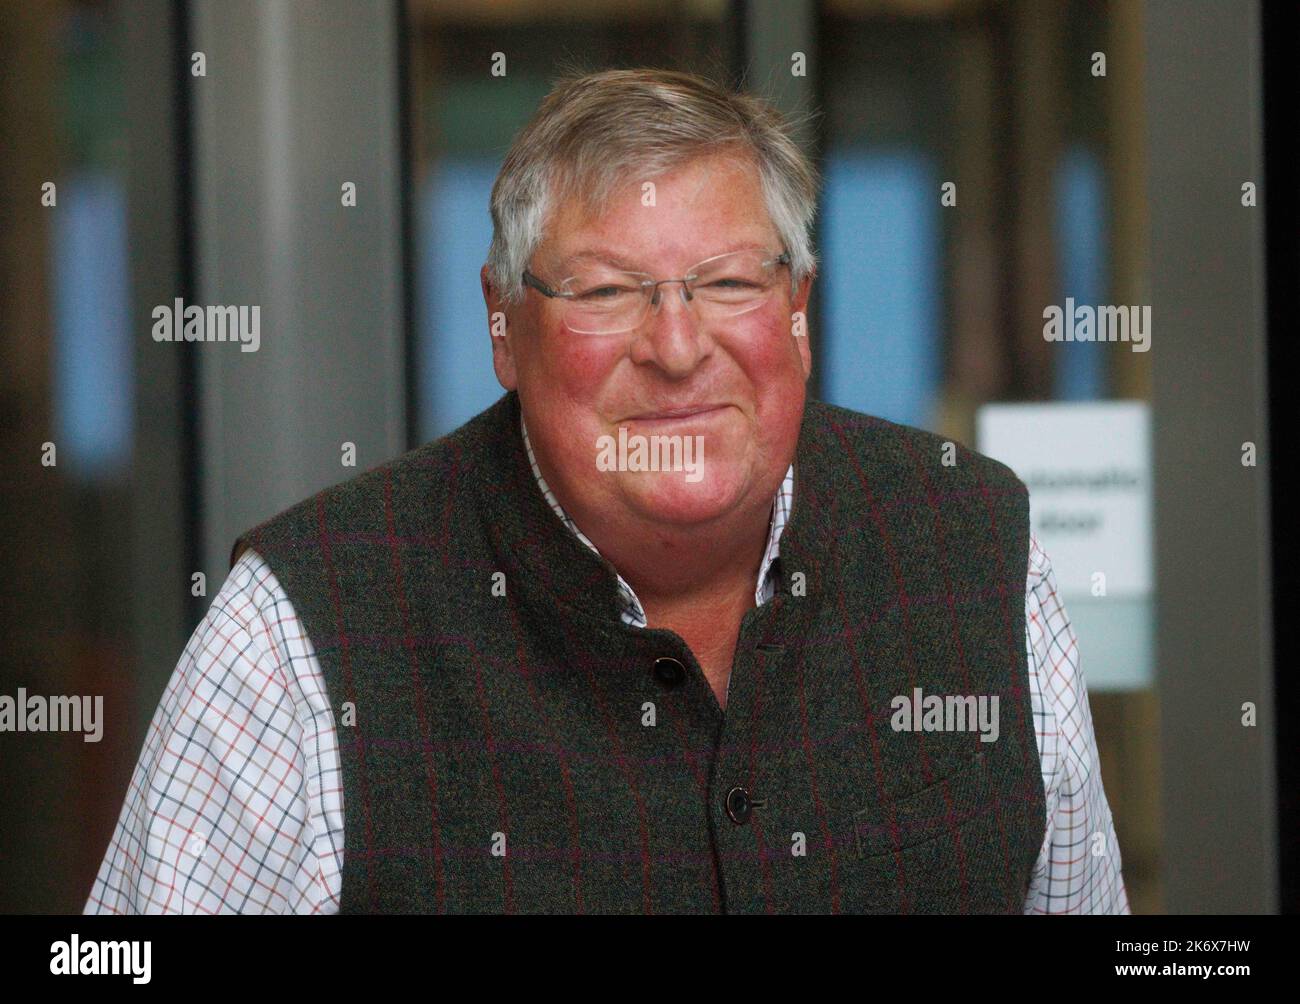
(732, 283)
(603, 300)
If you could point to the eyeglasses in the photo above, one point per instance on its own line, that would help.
(600, 299)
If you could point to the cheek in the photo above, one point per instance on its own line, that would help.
(578, 363)
(765, 347)
(767, 352)
(561, 368)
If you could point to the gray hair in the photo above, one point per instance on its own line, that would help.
(593, 131)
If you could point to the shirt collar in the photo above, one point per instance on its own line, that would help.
(632, 612)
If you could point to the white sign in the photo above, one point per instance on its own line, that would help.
(1088, 470)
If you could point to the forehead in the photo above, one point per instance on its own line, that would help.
(707, 206)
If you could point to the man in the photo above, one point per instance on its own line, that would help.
(642, 636)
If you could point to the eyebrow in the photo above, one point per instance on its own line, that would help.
(609, 258)
(594, 255)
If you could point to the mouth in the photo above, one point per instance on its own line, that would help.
(677, 414)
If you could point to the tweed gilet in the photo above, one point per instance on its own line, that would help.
(507, 744)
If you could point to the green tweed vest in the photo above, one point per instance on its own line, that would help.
(509, 745)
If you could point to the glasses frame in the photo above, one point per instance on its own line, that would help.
(650, 286)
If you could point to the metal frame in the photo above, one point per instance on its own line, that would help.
(298, 99)
(1213, 592)
(163, 512)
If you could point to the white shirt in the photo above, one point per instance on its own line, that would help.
(236, 803)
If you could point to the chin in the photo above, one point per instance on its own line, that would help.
(668, 497)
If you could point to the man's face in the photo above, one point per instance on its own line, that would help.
(743, 376)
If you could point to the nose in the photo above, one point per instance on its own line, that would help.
(671, 336)
(684, 290)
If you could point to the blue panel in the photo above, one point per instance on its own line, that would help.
(93, 382)
(1080, 367)
(454, 354)
(882, 291)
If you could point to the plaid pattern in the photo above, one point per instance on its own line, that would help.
(236, 802)
(1076, 872)
(242, 755)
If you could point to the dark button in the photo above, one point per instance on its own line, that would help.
(669, 671)
(739, 806)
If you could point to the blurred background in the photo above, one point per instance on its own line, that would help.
(982, 159)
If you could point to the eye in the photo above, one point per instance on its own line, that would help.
(603, 292)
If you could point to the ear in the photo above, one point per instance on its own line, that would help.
(799, 305)
(503, 356)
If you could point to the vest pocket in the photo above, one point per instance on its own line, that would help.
(937, 850)
(929, 814)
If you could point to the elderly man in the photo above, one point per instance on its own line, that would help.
(653, 633)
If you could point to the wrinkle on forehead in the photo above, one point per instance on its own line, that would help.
(583, 207)
(589, 199)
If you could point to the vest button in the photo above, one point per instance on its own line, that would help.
(738, 806)
(669, 671)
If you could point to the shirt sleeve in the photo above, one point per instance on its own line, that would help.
(1079, 867)
(235, 804)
